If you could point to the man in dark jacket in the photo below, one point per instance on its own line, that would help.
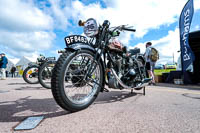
(3, 65)
(13, 69)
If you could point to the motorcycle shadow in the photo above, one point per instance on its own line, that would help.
(18, 110)
(29, 88)
(115, 96)
(17, 83)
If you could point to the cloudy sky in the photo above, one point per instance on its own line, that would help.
(31, 27)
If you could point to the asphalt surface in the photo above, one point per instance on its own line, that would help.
(164, 109)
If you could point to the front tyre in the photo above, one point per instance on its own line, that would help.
(71, 88)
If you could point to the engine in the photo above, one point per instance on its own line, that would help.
(126, 68)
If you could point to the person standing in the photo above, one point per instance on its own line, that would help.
(3, 65)
(151, 56)
(13, 69)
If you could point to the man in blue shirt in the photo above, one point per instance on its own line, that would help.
(3, 65)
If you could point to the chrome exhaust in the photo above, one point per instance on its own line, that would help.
(144, 83)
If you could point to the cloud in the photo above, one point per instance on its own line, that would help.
(197, 27)
(143, 15)
(61, 12)
(28, 26)
(23, 16)
(19, 43)
(196, 4)
(24, 28)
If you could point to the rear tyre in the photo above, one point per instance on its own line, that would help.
(45, 73)
(30, 75)
(76, 93)
(143, 69)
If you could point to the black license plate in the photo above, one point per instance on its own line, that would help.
(69, 40)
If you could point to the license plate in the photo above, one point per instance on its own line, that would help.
(75, 39)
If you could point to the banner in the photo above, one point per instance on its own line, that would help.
(187, 56)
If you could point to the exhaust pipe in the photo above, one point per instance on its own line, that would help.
(144, 82)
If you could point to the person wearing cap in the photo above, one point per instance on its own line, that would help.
(149, 64)
(3, 65)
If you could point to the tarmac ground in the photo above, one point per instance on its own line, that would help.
(164, 108)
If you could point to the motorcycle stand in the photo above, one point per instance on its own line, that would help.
(144, 91)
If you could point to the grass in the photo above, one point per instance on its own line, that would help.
(160, 71)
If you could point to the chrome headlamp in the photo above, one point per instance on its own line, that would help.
(91, 27)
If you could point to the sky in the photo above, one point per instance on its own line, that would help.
(32, 27)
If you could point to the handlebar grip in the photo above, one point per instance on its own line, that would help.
(133, 30)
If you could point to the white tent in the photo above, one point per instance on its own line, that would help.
(179, 67)
(10, 65)
(23, 63)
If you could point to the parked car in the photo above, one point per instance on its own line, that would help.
(159, 66)
(170, 66)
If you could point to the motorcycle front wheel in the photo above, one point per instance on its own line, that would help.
(30, 75)
(45, 73)
(84, 79)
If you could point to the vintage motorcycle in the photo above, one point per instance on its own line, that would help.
(45, 72)
(85, 67)
(40, 72)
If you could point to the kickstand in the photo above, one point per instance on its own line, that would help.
(131, 91)
(144, 91)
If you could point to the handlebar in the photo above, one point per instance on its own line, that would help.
(51, 58)
(123, 27)
(127, 29)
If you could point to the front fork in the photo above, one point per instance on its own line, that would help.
(93, 65)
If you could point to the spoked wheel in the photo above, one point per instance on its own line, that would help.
(45, 73)
(76, 80)
(30, 75)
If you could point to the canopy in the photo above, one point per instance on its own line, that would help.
(194, 41)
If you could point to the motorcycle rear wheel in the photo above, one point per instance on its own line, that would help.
(76, 93)
(144, 74)
(30, 75)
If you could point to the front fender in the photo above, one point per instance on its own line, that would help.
(79, 46)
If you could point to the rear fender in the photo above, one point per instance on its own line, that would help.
(140, 56)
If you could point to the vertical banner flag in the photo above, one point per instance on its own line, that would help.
(187, 56)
